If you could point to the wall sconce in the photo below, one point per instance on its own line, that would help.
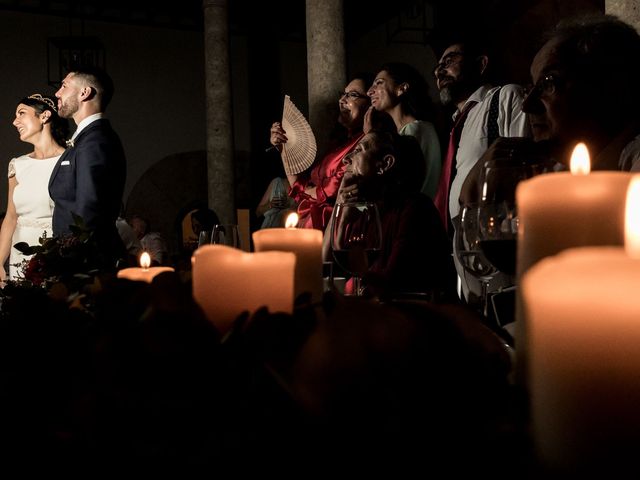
(66, 53)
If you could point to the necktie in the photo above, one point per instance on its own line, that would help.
(441, 199)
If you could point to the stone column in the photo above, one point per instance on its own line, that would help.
(326, 67)
(220, 172)
(626, 10)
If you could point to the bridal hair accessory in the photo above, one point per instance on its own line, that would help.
(300, 150)
(45, 100)
(69, 143)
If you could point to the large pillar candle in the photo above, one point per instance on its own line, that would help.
(306, 244)
(562, 210)
(583, 315)
(228, 281)
(583, 329)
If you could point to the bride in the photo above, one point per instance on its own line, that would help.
(29, 208)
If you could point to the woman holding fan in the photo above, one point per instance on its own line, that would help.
(315, 190)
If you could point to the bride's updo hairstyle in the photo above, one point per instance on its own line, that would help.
(40, 103)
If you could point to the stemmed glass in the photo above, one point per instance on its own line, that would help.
(356, 238)
(497, 214)
(469, 253)
(204, 238)
(226, 234)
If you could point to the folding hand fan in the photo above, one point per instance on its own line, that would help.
(300, 150)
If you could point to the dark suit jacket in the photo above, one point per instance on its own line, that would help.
(88, 180)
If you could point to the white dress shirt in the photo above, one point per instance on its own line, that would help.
(512, 122)
(84, 123)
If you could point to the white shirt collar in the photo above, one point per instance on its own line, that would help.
(84, 123)
(476, 96)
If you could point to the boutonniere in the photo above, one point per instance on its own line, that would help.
(69, 143)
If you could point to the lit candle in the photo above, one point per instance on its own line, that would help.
(569, 209)
(144, 273)
(228, 281)
(563, 210)
(306, 243)
(583, 314)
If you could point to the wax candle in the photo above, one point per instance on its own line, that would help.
(583, 314)
(306, 244)
(144, 273)
(569, 209)
(562, 210)
(228, 281)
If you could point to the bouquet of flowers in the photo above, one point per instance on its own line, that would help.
(70, 260)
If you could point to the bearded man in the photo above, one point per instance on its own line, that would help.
(88, 179)
(483, 113)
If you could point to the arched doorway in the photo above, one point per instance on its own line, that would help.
(168, 191)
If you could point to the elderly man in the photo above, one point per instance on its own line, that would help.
(585, 89)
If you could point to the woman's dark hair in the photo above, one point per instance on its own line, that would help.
(59, 126)
(366, 77)
(416, 100)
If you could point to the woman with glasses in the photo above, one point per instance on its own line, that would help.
(402, 92)
(315, 190)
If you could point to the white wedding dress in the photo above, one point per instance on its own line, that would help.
(34, 207)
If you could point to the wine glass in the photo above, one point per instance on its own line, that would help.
(226, 234)
(498, 215)
(204, 238)
(356, 238)
(469, 253)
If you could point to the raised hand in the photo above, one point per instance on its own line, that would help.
(349, 191)
(278, 136)
(368, 120)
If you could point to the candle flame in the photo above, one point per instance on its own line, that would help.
(292, 220)
(632, 219)
(145, 260)
(580, 162)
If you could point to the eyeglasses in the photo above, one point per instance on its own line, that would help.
(351, 95)
(448, 60)
(546, 86)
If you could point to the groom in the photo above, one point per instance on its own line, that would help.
(88, 179)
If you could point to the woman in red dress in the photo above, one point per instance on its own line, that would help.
(315, 190)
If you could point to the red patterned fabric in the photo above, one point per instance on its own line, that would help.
(326, 177)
